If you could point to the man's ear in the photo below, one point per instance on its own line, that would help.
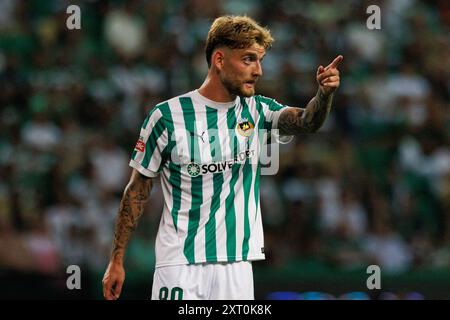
(218, 59)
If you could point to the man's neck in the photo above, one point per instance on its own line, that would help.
(215, 91)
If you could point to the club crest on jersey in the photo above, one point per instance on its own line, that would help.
(244, 127)
(140, 145)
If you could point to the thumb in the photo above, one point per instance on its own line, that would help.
(320, 69)
(118, 289)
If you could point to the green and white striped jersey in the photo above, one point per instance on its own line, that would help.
(207, 154)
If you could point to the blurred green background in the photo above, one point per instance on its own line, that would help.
(371, 187)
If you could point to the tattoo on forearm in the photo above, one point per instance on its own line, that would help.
(131, 208)
(308, 120)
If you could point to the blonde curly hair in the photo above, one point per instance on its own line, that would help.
(236, 32)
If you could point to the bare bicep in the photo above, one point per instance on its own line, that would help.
(290, 121)
(140, 184)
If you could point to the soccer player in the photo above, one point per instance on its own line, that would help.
(204, 145)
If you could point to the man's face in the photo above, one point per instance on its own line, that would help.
(242, 69)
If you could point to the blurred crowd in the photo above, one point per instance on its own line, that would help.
(371, 187)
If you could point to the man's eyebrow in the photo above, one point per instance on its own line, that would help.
(253, 54)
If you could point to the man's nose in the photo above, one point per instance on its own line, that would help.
(258, 69)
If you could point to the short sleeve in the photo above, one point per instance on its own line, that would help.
(272, 111)
(148, 154)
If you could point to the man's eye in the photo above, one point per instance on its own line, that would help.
(248, 60)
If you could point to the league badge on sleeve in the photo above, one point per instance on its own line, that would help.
(140, 145)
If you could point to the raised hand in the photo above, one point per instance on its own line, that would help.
(328, 77)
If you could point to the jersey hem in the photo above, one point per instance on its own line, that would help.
(225, 259)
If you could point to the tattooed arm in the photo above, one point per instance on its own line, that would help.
(131, 207)
(308, 120)
(311, 118)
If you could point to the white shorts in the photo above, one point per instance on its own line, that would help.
(205, 281)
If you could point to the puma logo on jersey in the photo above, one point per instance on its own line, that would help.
(193, 134)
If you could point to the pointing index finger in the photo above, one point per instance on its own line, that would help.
(335, 62)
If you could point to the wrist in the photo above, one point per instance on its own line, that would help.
(117, 258)
(323, 94)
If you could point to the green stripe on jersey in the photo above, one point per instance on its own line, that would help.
(247, 175)
(216, 154)
(196, 182)
(272, 104)
(230, 215)
(150, 146)
(144, 125)
(261, 125)
(256, 189)
(175, 172)
(246, 114)
(149, 115)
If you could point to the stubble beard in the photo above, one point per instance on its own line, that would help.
(236, 88)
